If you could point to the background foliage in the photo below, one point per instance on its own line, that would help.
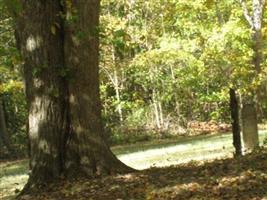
(164, 64)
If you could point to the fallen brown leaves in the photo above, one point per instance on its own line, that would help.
(241, 179)
(199, 128)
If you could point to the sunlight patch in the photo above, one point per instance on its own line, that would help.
(10, 184)
(33, 43)
(44, 146)
(34, 120)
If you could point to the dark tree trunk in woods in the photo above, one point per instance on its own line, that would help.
(87, 151)
(4, 136)
(234, 107)
(42, 51)
(65, 129)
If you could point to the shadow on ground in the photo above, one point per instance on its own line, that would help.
(244, 178)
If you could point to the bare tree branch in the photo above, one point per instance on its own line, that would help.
(245, 12)
(258, 9)
(109, 76)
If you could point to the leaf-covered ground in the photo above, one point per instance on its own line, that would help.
(240, 179)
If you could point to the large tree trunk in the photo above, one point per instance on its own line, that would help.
(234, 107)
(40, 39)
(65, 129)
(87, 153)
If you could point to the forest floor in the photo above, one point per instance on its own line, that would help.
(204, 178)
(240, 179)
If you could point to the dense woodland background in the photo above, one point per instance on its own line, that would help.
(81, 80)
(165, 66)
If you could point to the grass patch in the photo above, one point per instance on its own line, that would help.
(244, 178)
(172, 152)
(160, 143)
(224, 138)
(13, 175)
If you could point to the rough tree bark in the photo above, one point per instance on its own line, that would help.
(234, 107)
(65, 129)
(86, 149)
(43, 52)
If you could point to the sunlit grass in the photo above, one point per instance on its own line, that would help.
(13, 175)
(189, 149)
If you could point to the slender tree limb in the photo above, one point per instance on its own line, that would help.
(245, 12)
(108, 74)
(258, 9)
